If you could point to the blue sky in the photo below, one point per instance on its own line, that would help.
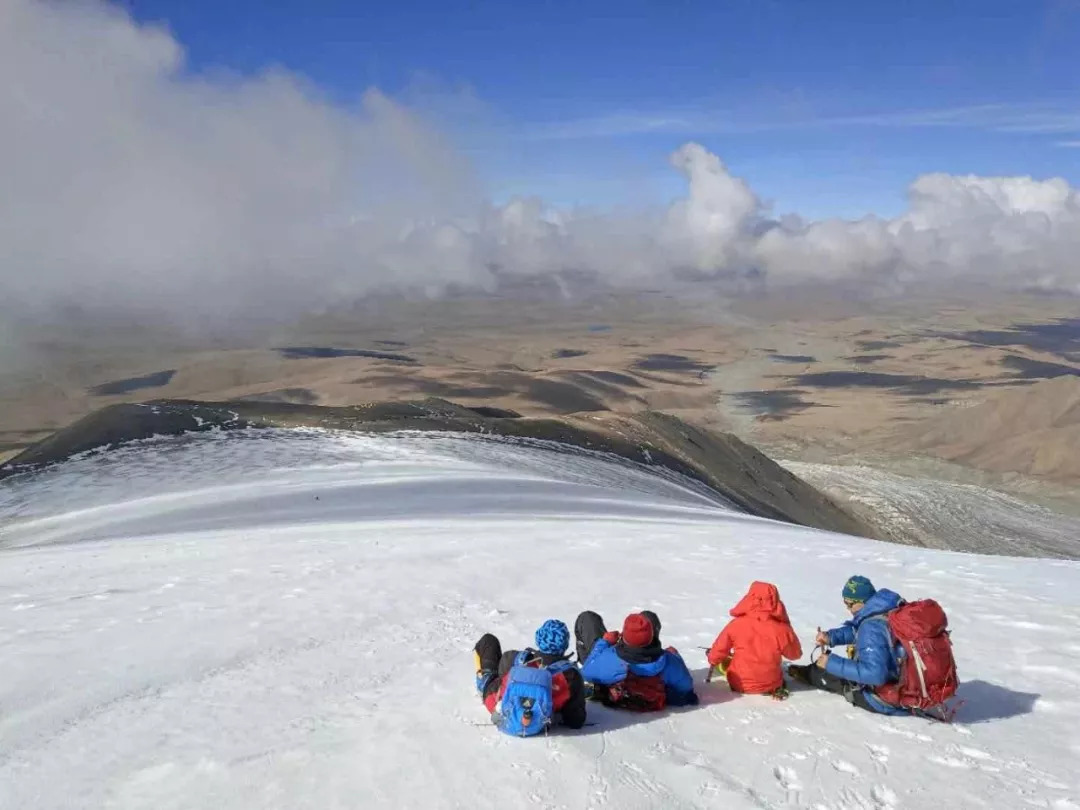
(826, 108)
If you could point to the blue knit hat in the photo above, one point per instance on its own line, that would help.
(552, 638)
(858, 589)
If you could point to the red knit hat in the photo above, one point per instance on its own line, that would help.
(637, 631)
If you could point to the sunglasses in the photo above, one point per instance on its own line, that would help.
(850, 602)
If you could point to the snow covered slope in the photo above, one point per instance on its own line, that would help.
(286, 620)
(945, 514)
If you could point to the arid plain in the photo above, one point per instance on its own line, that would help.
(986, 381)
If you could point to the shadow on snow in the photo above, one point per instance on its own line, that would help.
(985, 701)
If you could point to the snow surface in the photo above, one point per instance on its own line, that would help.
(285, 620)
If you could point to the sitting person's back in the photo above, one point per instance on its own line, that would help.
(752, 644)
(633, 671)
(495, 679)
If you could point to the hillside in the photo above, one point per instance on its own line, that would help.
(1034, 430)
(284, 619)
(721, 462)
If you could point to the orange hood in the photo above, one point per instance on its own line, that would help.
(762, 602)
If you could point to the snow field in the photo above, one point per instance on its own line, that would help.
(217, 637)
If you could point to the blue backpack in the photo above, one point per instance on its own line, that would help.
(527, 705)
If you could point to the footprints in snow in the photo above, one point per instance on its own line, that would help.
(961, 757)
(900, 732)
(880, 755)
(860, 784)
(843, 766)
(879, 796)
(789, 783)
(883, 797)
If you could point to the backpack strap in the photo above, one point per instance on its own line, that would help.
(893, 644)
(526, 658)
(562, 665)
(532, 658)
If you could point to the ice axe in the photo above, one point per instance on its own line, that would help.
(709, 672)
(720, 669)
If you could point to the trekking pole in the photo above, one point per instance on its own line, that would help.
(719, 669)
(709, 674)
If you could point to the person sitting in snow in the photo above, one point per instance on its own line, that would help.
(630, 670)
(749, 649)
(873, 660)
(494, 666)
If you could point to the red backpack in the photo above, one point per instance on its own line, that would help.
(927, 668)
(640, 693)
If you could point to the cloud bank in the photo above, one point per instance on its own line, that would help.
(130, 186)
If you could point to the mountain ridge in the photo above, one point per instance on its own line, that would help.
(721, 461)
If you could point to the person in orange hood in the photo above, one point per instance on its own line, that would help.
(749, 648)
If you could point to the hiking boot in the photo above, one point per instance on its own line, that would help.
(780, 693)
(486, 654)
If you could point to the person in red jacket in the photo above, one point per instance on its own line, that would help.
(750, 647)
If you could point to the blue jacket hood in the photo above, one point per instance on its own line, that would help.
(646, 670)
(881, 602)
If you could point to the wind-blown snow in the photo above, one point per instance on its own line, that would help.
(286, 620)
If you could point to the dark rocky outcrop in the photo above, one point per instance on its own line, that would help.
(722, 462)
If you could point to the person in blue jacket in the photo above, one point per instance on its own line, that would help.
(629, 669)
(874, 654)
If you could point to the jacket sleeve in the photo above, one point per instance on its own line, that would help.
(874, 654)
(791, 648)
(603, 666)
(721, 648)
(573, 713)
(678, 682)
(844, 634)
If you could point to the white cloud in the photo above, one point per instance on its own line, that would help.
(1014, 231)
(1038, 118)
(127, 182)
(132, 187)
(708, 228)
